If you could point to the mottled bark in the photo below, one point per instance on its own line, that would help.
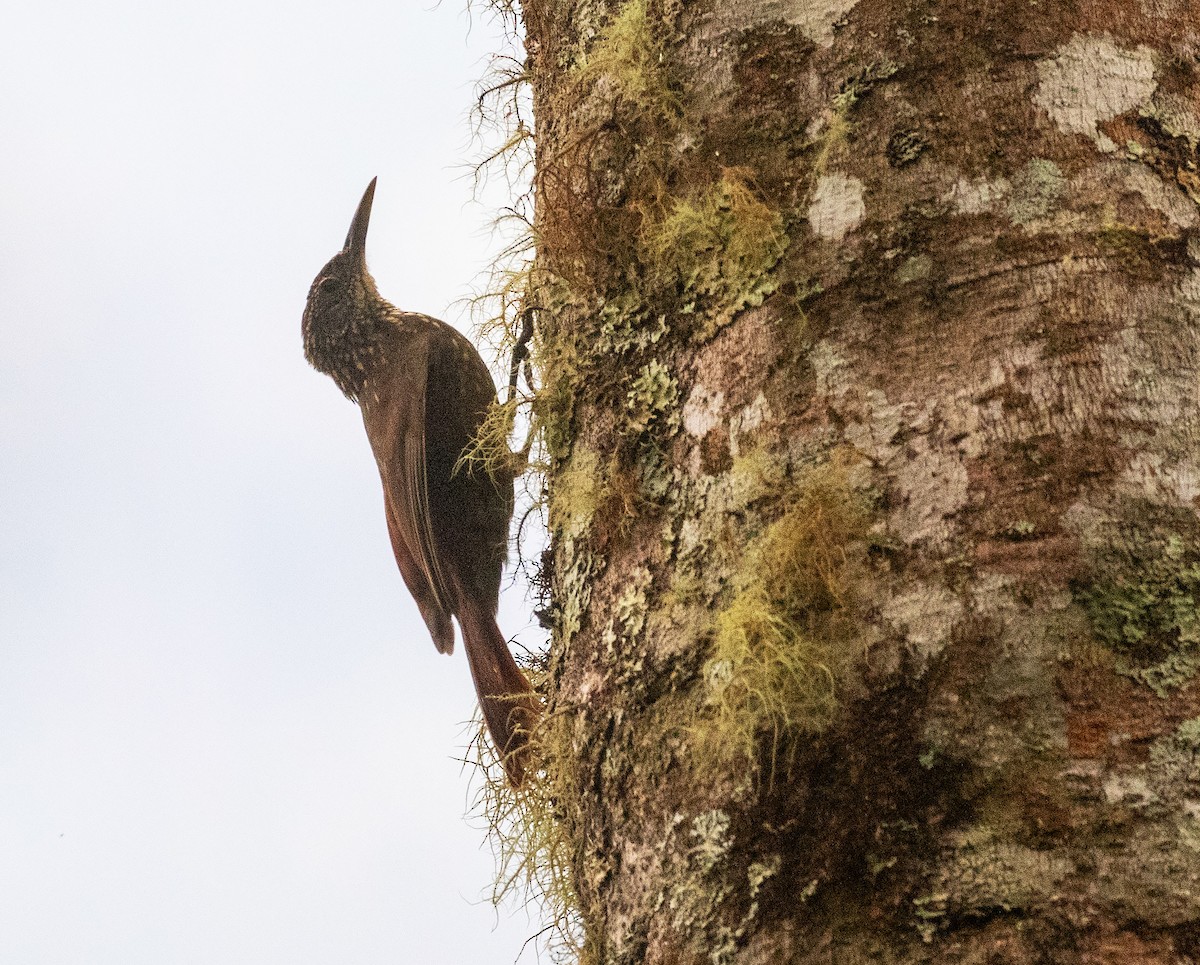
(869, 337)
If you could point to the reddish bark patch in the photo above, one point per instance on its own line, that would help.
(1051, 560)
(1126, 948)
(1113, 719)
(738, 359)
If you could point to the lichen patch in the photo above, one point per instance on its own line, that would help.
(746, 421)
(837, 206)
(927, 616)
(702, 411)
(817, 19)
(1168, 200)
(978, 195)
(1036, 190)
(1089, 80)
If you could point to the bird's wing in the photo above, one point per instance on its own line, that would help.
(394, 417)
(436, 616)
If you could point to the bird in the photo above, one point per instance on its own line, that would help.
(423, 390)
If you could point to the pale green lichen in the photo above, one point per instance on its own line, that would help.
(579, 491)
(574, 589)
(982, 874)
(930, 913)
(652, 399)
(631, 604)
(696, 891)
(1036, 189)
(1145, 608)
(987, 875)
(759, 871)
(1175, 761)
(628, 325)
(710, 840)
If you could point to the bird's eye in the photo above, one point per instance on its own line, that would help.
(329, 285)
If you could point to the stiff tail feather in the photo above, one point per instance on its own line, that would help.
(509, 706)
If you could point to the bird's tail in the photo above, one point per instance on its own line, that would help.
(510, 708)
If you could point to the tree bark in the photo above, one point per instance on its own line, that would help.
(868, 338)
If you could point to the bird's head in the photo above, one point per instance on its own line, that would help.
(343, 297)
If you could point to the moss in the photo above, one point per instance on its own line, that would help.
(535, 829)
(626, 59)
(706, 246)
(1145, 608)
(624, 115)
(855, 88)
(489, 449)
(714, 247)
(786, 640)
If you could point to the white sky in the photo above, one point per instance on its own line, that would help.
(225, 736)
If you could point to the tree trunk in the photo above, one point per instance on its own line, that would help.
(868, 338)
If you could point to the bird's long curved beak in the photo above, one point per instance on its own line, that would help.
(356, 240)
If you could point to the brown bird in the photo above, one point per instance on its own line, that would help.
(423, 390)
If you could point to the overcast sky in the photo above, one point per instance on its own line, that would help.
(225, 736)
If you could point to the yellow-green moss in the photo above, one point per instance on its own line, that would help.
(787, 638)
(837, 126)
(489, 449)
(534, 830)
(627, 59)
(716, 246)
